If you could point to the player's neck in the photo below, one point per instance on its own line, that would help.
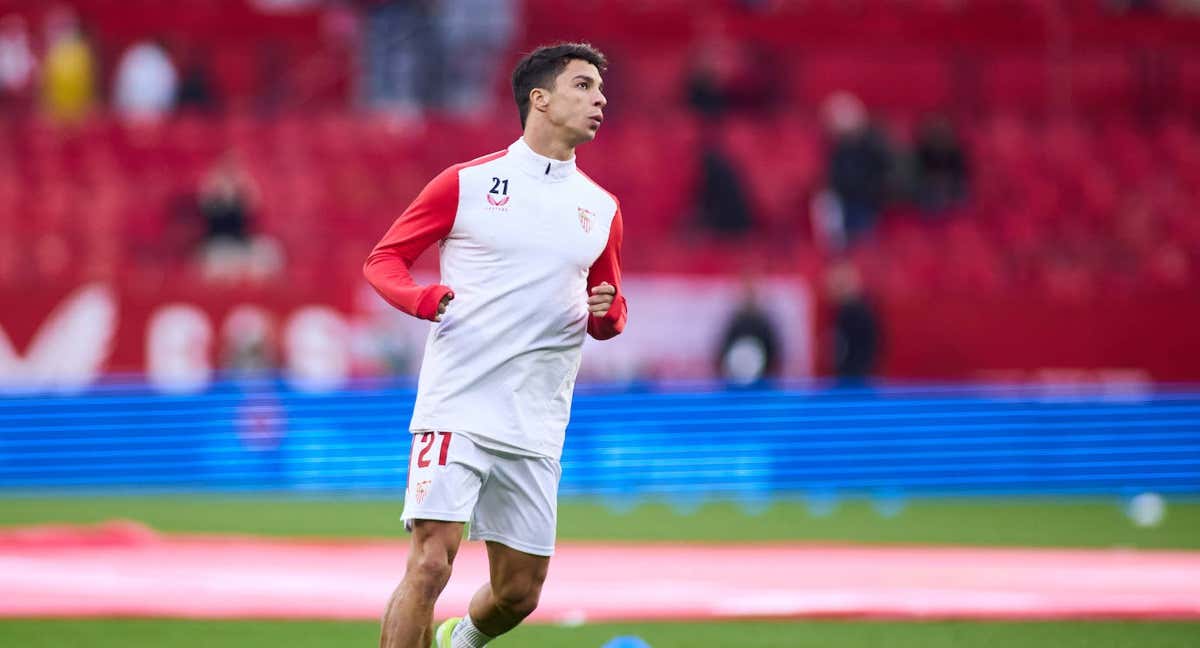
(544, 142)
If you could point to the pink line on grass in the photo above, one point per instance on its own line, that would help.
(127, 571)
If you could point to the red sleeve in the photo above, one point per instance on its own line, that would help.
(426, 221)
(608, 268)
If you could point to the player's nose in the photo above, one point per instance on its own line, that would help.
(600, 101)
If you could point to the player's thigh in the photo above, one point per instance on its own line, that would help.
(518, 505)
(515, 573)
(445, 473)
(435, 541)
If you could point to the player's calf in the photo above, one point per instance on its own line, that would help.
(408, 621)
(500, 607)
(518, 600)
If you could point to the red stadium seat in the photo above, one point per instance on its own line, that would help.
(1015, 84)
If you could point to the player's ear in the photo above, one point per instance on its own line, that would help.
(539, 99)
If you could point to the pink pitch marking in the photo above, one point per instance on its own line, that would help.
(127, 571)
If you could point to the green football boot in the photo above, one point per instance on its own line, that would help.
(442, 636)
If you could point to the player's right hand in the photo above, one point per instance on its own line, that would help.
(442, 306)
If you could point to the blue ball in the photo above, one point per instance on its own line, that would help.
(628, 641)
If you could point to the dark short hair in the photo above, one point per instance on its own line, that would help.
(539, 69)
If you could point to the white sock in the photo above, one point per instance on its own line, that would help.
(466, 635)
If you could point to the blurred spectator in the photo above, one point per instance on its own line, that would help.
(726, 76)
(401, 57)
(227, 198)
(1127, 6)
(195, 83)
(941, 166)
(722, 205)
(248, 345)
(856, 331)
(707, 85)
(146, 82)
(859, 166)
(17, 63)
(475, 34)
(721, 198)
(69, 77)
(749, 349)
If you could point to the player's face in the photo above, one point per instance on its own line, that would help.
(577, 103)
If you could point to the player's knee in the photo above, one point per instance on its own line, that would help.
(429, 572)
(519, 598)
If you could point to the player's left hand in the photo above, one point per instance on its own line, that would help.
(601, 299)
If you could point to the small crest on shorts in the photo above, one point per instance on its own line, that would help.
(585, 219)
(421, 490)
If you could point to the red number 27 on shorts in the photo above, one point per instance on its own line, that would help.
(426, 442)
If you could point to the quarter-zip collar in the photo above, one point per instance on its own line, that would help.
(540, 166)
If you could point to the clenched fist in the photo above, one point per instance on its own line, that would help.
(601, 299)
(442, 306)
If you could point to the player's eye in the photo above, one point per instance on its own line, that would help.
(582, 84)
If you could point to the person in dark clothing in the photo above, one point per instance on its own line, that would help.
(721, 202)
(705, 96)
(402, 61)
(232, 251)
(856, 335)
(749, 350)
(196, 88)
(224, 203)
(728, 77)
(941, 167)
(860, 163)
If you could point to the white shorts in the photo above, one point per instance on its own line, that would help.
(507, 498)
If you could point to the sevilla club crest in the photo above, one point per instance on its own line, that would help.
(585, 219)
(421, 490)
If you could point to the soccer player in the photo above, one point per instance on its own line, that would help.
(530, 260)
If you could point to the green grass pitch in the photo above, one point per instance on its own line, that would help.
(1067, 523)
(764, 634)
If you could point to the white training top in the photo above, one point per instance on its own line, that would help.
(523, 240)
